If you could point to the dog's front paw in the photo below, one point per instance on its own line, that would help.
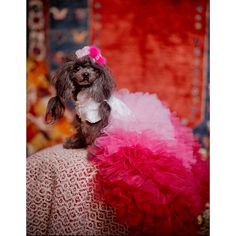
(74, 142)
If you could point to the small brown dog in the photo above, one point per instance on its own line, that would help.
(85, 82)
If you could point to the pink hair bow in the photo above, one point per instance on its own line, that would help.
(93, 52)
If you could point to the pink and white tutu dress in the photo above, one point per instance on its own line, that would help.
(149, 167)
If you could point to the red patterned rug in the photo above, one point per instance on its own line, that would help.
(158, 47)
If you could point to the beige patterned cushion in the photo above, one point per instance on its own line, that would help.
(60, 199)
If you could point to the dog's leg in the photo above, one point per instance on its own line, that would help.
(77, 140)
(93, 130)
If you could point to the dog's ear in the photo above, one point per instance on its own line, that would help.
(103, 85)
(108, 83)
(61, 80)
(55, 110)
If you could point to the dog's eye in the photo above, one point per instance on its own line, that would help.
(76, 68)
(98, 73)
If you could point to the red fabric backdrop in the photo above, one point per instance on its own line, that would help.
(158, 47)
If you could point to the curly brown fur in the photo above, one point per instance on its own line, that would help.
(75, 76)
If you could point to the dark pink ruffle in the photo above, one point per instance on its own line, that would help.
(152, 192)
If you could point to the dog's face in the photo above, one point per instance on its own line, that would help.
(77, 74)
(84, 72)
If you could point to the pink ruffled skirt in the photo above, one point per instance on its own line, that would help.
(149, 167)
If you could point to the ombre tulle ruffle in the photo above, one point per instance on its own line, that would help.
(150, 169)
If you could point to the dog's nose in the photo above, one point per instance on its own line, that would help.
(85, 74)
